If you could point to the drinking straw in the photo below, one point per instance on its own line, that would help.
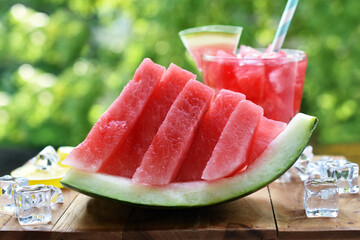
(283, 25)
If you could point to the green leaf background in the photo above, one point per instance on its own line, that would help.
(62, 63)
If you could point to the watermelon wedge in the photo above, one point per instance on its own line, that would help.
(208, 135)
(162, 161)
(231, 151)
(210, 39)
(116, 123)
(128, 156)
(278, 157)
(266, 131)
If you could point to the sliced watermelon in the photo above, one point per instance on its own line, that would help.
(231, 151)
(210, 39)
(266, 131)
(208, 135)
(278, 157)
(116, 123)
(128, 156)
(161, 162)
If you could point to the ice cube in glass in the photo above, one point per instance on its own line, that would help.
(321, 198)
(346, 173)
(33, 204)
(7, 185)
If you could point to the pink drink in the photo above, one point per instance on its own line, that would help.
(272, 80)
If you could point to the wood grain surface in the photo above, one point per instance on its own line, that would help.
(274, 212)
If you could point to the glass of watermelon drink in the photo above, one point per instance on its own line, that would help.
(273, 80)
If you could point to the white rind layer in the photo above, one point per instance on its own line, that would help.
(276, 159)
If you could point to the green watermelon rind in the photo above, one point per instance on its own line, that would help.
(280, 155)
(222, 29)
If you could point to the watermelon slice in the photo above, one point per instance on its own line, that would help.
(278, 157)
(128, 156)
(208, 135)
(231, 151)
(162, 161)
(116, 123)
(210, 39)
(266, 131)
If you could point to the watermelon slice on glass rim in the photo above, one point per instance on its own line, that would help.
(209, 39)
(275, 153)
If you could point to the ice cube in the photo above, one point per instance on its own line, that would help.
(56, 195)
(307, 153)
(7, 185)
(302, 164)
(321, 198)
(285, 178)
(317, 169)
(346, 173)
(33, 204)
(46, 158)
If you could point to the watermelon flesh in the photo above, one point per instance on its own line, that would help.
(266, 131)
(116, 123)
(162, 160)
(208, 135)
(231, 151)
(128, 156)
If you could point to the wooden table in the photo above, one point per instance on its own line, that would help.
(274, 212)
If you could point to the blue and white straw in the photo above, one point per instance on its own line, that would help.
(284, 25)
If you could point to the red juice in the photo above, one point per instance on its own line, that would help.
(272, 80)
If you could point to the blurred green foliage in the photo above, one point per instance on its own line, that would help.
(62, 63)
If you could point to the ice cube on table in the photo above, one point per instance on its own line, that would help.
(33, 203)
(317, 169)
(46, 158)
(346, 173)
(56, 195)
(301, 165)
(321, 198)
(7, 186)
(285, 178)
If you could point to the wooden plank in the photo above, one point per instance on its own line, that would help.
(4, 218)
(292, 223)
(90, 218)
(250, 217)
(146, 223)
